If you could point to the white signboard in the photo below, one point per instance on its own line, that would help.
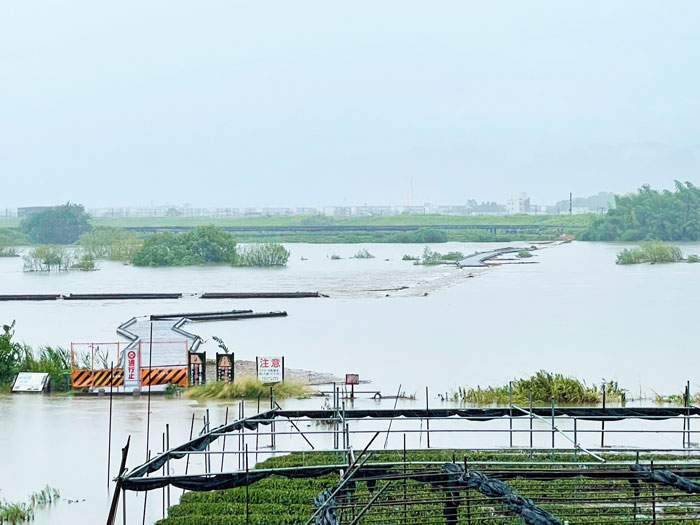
(270, 369)
(132, 374)
(30, 382)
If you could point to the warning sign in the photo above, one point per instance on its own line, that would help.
(224, 367)
(132, 372)
(352, 379)
(270, 369)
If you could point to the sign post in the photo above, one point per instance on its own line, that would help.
(225, 367)
(270, 369)
(352, 380)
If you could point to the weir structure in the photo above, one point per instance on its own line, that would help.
(546, 465)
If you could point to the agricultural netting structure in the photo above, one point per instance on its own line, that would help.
(432, 466)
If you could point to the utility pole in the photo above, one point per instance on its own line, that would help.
(571, 201)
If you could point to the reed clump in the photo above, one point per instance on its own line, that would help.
(544, 387)
(247, 387)
(650, 252)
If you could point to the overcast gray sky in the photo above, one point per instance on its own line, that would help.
(267, 103)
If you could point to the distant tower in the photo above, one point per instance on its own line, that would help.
(571, 202)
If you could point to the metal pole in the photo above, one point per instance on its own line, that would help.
(575, 440)
(109, 438)
(247, 497)
(553, 426)
(510, 412)
(187, 462)
(223, 445)
(150, 362)
(427, 419)
(531, 418)
(167, 447)
(602, 423)
(208, 456)
(164, 475)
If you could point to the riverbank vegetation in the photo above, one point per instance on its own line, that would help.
(650, 214)
(115, 244)
(16, 357)
(16, 513)
(544, 387)
(650, 252)
(247, 387)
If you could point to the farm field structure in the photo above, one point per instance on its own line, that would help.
(346, 466)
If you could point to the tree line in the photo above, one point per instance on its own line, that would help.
(650, 214)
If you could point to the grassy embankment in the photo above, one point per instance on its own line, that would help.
(545, 227)
(286, 501)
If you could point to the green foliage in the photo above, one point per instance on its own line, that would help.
(363, 254)
(12, 354)
(16, 357)
(16, 513)
(46, 258)
(692, 258)
(431, 258)
(421, 235)
(57, 225)
(264, 255)
(7, 251)
(111, 243)
(201, 245)
(248, 387)
(335, 257)
(524, 254)
(410, 258)
(650, 214)
(85, 263)
(650, 252)
(544, 386)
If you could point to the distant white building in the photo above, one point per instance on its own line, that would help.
(518, 205)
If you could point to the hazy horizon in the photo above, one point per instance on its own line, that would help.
(233, 104)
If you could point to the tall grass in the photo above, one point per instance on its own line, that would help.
(650, 252)
(544, 386)
(16, 513)
(247, 387)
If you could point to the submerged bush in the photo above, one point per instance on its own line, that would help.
(86, 263)
(203, 244)
(265, 254)
(524, 254)
(363, 254)
(106, 242)
(48, 257)
(650, 252)
(693, 258)
(248, 387)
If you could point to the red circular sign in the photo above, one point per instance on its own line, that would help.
(131, 354)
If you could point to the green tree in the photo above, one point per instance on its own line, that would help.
(57, 225)
(651, 215)
(203, 244)
(12, 354)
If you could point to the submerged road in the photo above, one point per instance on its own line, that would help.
(478, 259)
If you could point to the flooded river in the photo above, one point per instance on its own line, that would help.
(574, 312)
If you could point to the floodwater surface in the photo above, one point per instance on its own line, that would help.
(574, 312)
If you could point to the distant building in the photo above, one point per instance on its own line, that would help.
(518, 205)
(29, 210)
